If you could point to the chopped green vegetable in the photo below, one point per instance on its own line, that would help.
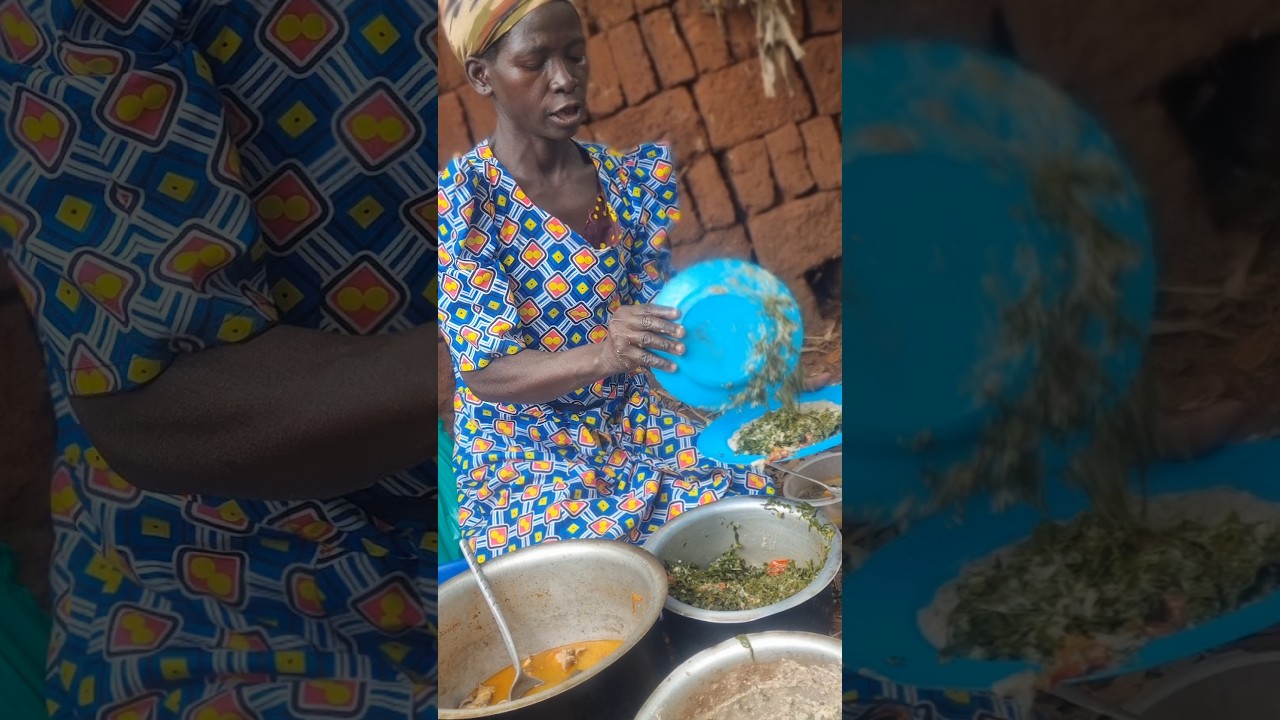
(770, 351)
(779, 432)
(1094, 589)
(729, 583)
(1069, 394)
(808, 512)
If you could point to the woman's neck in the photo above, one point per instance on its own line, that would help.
(525, 156)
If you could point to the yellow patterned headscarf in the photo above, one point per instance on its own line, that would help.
(473, 26)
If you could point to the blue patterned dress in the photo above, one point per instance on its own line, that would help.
(874, 699)
(182, 174)
(605, 461)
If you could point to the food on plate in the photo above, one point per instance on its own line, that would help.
(553, 667)
(730, 583)
(773, 689)
(779, 433)
(1081, 596)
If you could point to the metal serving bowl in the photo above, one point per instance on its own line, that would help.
(551, 595)
(768, 529)
(675, 697)
(826, 468)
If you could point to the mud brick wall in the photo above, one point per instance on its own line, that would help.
(759, 178)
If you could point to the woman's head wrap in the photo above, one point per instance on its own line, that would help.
(473, 26)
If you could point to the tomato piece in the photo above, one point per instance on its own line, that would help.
(777, 567)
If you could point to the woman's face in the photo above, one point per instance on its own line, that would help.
(538, 75)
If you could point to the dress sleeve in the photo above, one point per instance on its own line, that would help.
(477, 309)
(651, 178)
(123, 214)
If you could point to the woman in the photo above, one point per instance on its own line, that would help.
(551, 252)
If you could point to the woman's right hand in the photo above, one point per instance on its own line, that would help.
(634, 331)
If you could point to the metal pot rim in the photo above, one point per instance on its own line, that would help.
(822, 644)
(825, 576)
(530, 555)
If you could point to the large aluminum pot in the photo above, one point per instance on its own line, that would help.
(677, 697)
(768, 529)
(551, 595)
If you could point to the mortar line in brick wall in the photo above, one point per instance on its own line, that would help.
(686, 199)
(740, 214)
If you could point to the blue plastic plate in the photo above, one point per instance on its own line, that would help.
(449, 569)
(714, 440)
(938, 142)
(721, 303)
(883, 596)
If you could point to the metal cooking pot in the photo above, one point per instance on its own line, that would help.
(1240, 686)
(768, 529)
(555, 594)
(674, 698)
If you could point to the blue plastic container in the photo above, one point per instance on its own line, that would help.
(942, 147)
(722, 306)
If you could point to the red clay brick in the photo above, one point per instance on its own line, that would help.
(480, 115)
(604, 14)
(585, 134)
(629, 53)
(727, 243)
(796, 237)
(701, 32)
(811, 228)
(604, 90)
(725, 95)
(669, 54)
(669, 116)
(741, 28)
(687, 229)
(790, 166)
(647, 5)
(821, 67)
(715, 207)
(741, 25)
(824, 16)
(454, 136)
(751, 176)
(823, 149)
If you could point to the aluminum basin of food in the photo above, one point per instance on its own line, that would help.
(703, 682)
(767, 529)
(553, 595)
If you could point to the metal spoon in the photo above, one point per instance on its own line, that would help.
(835, 491)
(523, 683)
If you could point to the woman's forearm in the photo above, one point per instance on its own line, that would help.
(294, 413)
(532, 376)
